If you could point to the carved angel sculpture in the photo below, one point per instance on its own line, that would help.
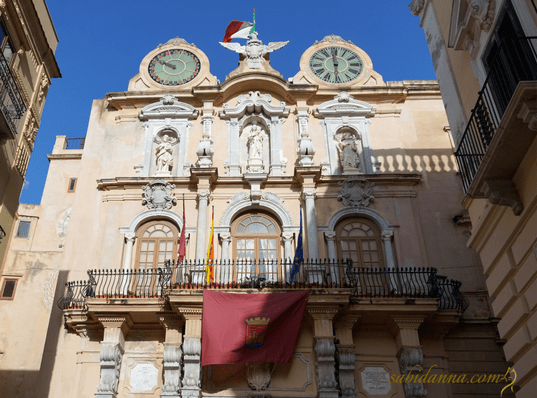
(254, 50)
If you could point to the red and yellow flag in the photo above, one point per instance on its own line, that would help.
(209, 272)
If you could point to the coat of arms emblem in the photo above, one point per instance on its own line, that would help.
(255, 331)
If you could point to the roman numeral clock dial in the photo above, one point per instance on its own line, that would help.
(336, 65)
(174, 67)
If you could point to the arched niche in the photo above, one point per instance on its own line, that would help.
(255, 107)
(166, 117)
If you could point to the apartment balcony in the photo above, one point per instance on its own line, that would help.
(502, 125)
(12, 105)
(153, 287)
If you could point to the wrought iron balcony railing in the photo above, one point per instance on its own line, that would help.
(75, 143)
(514, 62)
(11, 101)
(364, 282)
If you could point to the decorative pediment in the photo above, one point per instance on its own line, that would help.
(344, 104)
(468, 19)
(168, 107)
(254, 103)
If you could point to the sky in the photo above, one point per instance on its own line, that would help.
(102, 43)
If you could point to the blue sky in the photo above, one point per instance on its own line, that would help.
(103, 42)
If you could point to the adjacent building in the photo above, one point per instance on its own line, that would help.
(484, 53)
(363, 167)
(27, 66)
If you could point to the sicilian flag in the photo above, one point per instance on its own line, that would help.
(251, 328)
(209, 272)
(299, 253)
(182, 240)
(238, 30)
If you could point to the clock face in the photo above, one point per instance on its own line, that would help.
(174, 67)
(336, 65)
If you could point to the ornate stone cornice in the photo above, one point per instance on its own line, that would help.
(416, 6)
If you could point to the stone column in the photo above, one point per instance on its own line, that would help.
(191, 385)
(388, 250)
(405, 331)
(346, 355)
(129, 241)
(127, 264)
(332, 256)
(287, 254)
(172, 356)
(325, 350)
(111, 353)
(225, 276)
(201, 233)
(311, 222)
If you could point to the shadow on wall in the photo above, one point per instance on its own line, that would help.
(415, 160)
(27, 383)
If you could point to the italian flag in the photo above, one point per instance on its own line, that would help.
(238, 30)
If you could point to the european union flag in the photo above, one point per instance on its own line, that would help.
(299, 253)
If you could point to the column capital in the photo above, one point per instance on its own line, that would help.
(130, 237)
(122, 321)
(287, 236)
(387, 235)
(204, 194)
(322, 312)
(225, 237)
(309, 193)
(330, 236)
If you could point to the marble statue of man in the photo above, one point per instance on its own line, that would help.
(348, 151)
(165, 154)
(255, 142)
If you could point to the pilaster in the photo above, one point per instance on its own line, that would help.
(325, 350)
(346, 354)
(111, 353)
(191, 385)
(405, 330)
(172, 356)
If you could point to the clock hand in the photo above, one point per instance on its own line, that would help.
(335, 61)
(167, 64)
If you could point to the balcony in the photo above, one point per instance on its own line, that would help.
(117, 286)
(502, 125)
(12, 105)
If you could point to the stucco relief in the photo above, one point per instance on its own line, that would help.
(470, 19)
(356, 192)
(63, 222)
(254, 50)
(158, 194)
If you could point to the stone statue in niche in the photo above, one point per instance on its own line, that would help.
(255, 142)
(255, 148)
(164, 154)
(348, 151)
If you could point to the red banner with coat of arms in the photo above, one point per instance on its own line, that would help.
(242, 328)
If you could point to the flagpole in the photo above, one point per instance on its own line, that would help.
(254, 19)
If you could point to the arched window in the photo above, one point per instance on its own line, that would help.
(157, 242)
(256, 238)
(358, 239)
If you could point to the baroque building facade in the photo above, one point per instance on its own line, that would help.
(367, 165)
(485, 59)
(27, 66)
